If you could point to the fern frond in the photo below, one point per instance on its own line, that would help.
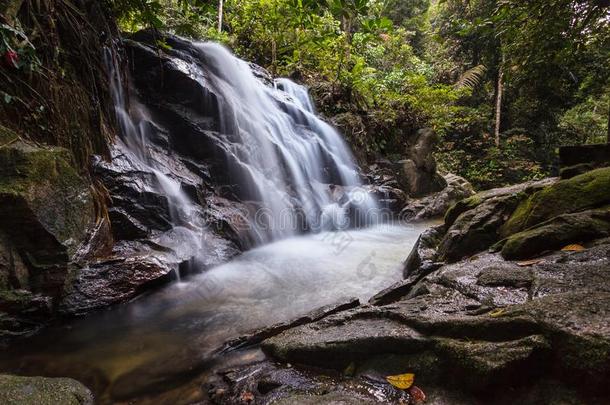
(471, 78)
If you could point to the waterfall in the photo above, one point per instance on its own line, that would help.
(280, 152)
(293, 171)
(185, 238)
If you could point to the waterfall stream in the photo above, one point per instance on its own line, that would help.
(300, 174)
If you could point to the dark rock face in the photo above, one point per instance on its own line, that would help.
(46, 211)
(420, 167)
(473, 224)
(437, 204)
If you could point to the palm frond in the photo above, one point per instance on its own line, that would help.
(471, 78)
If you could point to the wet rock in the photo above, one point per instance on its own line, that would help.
(114, 281)
(425, 251)
(420, 167)
(269, 383)
(136, 207)
(480, 325)
(43, 391)
(589, 190)
(473, 224)
(23, 313)
(265, 333)
(437, 204)
(46, 210)
(558, 232)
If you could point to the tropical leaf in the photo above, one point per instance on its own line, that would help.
(471, 78)
(402, 381)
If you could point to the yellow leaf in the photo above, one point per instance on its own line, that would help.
(529, 262)
(573, 248)
(497, 312)
(402, 381)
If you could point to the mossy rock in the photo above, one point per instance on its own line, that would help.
(46, 210)
(558, 232)
(483, 364)
(15, 390)
(589, 190)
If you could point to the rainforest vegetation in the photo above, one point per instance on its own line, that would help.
(504, 83)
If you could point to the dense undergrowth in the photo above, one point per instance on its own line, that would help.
(504, 83)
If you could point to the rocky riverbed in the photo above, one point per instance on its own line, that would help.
(471, 325)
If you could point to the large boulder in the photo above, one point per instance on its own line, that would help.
(589, 190)
(15, 390)
(420, 167)
(46, 210)
(558, 232)
(46, 214)
(473, 225)
(437, 204)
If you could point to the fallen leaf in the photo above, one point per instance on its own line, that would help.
(573, 248)
(529, 262)
(247, 397)
(350, 370)
(497, 312)
(402, 381)
(417, 395)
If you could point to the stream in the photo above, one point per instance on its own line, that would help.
(171, 333)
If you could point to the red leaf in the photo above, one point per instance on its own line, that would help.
(417, 395)
(11, 59)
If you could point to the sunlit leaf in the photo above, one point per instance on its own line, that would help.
(402, 381)
(573, 248)
(497, 312)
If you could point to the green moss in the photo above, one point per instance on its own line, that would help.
(43, 391)
(460, 207)
(7, 136)
(40, 183)
(15, 296)
(558, 232)
(588, 190)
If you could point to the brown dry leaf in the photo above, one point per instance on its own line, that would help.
(417, 395)
(573, 248)
(402, 381)
(525, 263)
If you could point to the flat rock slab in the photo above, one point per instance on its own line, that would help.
(485, 319)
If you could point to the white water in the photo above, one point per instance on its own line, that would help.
(280, 152)
(186, 237)
(178, 327)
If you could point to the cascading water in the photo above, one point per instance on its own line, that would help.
(284, 160)
(280, 152)
(185, 238)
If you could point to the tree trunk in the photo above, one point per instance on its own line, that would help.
(608, 133)
(499, 92)
(220, 6)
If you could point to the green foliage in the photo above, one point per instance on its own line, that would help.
(586, 122)
(14, 40)
(385, 68)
